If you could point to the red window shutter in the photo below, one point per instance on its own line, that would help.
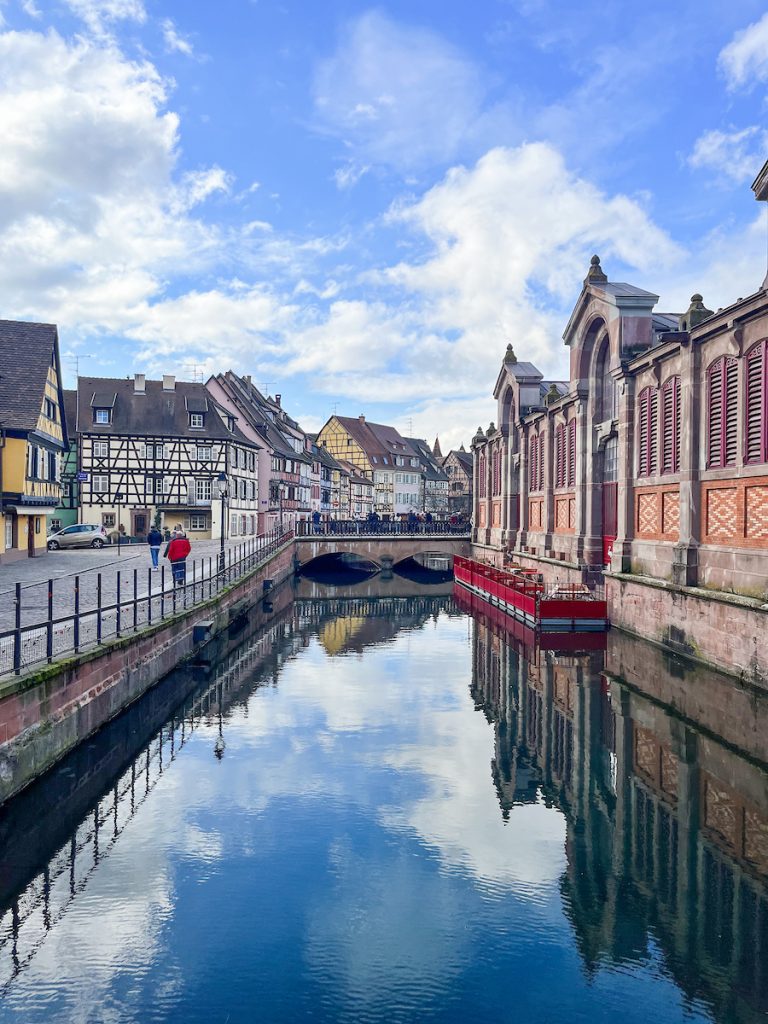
(642, 440)
(541, 462)
(757, 422)
(572, 453)
(534, 451)
(670, 426)
(559, 456)
(653, 433)
(715, 414)
(731, 410)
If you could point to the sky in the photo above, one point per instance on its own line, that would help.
(361, 206)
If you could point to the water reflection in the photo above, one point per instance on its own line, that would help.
(373, 806)
(667, 838)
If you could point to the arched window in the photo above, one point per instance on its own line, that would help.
(606, 394)
(481, 476)
(571, 481)
(533, 460)
(722, 408)
(647, 432)
(756, 427)
(560, 456)
(670, 426)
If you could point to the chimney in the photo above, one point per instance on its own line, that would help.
(139, 385)
(169, 382)
(277, 400)
(361, 418)
(247, 378)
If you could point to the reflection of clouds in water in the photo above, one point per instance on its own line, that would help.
(114, 925)
(424, 697)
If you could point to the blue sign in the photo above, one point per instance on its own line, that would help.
(83, 477)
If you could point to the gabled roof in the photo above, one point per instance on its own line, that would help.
(431, 467)
(261, 414)
(157, 412)
(26, 352)
(379, 441)
(465, 458)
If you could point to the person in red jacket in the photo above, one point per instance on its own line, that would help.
(177, 552)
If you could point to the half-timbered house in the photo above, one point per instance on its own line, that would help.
(156, 451)
(33, 435)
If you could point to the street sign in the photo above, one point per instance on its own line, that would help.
(83, 477)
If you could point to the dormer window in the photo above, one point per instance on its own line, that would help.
(50, 410)
(102, 415)
(231, 424)
(197, 420)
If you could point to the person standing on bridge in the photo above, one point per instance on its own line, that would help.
(155, 540)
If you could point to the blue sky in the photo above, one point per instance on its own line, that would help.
(361, 205)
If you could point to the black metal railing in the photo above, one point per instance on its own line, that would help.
(382, 527)
(73, 613)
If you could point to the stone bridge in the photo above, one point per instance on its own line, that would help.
(385, 548)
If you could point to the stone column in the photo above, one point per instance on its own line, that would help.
(522, 530)
(685, 564)
(621, 558)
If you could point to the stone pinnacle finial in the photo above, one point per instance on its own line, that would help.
(510, 358)
(479, 436)
(595, 273)
(553, 395)
(696, 312)
(491, 428)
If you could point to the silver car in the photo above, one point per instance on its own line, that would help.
(82, 535)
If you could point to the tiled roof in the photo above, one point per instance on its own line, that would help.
(378, 440)
(432, 468)
(26, 351)
(153, 413)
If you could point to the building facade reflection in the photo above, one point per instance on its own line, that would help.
(667, 813)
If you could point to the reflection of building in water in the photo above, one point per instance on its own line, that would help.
(667, 839)
(352, 624)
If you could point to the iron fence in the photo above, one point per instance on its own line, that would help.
(381, 527)
(71, 614)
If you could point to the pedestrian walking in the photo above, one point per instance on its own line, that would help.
(177, 552)
(155, 541)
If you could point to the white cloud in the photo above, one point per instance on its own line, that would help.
(30, 7)
(736, 155)
(97, 14)
(174, 42)
(745, 58)
(398, 95)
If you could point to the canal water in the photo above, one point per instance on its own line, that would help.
(378, 804)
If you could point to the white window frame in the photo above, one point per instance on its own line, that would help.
(100, 450)
(101, 416)
(201, 456)
(96, 483)
(196, 420)
(204, 485)
(198, 521)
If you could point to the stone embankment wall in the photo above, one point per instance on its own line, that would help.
(725, 631)
(47, 713)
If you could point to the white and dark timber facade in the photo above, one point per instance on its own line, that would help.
(154, 451)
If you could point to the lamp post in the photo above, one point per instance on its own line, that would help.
(118, 499)
(221, 483)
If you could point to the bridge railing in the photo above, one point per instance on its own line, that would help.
(381, 528)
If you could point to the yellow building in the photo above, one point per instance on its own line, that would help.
(33, 435)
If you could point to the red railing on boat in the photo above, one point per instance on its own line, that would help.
(521, 591)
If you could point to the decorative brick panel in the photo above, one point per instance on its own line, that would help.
(481, 520)
(565, 513)
(670, 512)
(496, 521)
(535, 514)
(648, 514)
(756, 517)
(721, 512)
(736, 512)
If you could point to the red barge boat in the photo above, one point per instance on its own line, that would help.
(561, 608)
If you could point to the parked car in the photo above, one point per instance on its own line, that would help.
(83, 535)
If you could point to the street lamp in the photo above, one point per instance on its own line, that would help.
(221, 483)
(118, 499)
